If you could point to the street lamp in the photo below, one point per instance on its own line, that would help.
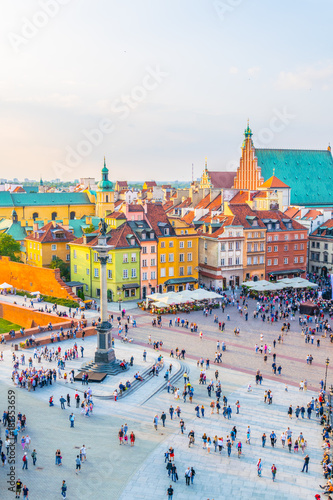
(327, 363)
(119, 295)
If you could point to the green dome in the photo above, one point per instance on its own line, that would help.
(105, 184)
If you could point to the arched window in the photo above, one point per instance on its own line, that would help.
(72, 215)
(35, 215)
(107, 198)
(54, 215)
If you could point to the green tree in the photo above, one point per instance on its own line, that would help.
(62, 266)
(10, 247)
(89, 229)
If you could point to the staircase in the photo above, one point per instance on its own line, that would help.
(68, 289)
(109, 368)
(173, 379)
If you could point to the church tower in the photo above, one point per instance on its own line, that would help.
(248, 173)
(104, 194)
(205, 181)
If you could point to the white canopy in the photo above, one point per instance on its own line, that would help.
(160, 304)
(5, 285)
(35, 293)
(155, 296)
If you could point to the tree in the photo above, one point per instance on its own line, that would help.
(62, 266)
(10, 247)
(89, 229)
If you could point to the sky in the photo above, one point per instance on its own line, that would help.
(156, 86)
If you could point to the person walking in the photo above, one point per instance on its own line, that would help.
(19, 485)
(132, 438)
(273, 470)
(259, 467)
(187, 476)
(68, 400)
(25, 461)
(306, 463)
(34, 457)
(72, 419)
(64, 489)
(78, 464)
(170, 492)
(192, 474)
(25, 492)
(155, 422)
(263, 440)
(62, 402)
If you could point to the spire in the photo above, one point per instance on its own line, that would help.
(104, 162)
(273, 171)
(329, 147)
(248, 131)
(206, 164)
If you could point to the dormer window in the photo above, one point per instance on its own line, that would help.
(166, 231)
(143, 236)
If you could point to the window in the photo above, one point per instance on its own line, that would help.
(87, 288)
(67, 247)
(153, 275)
(255, 261)
(302, 246)
(237, 245)
(189, 244)
(181, 271)
(261, 259)
(276, 238)
(125, 258)
(326, 246)
(152, 249)
(181, 257)
(249, 247)
(143, 236)
(230, 233)
(67, 257)
(249, 261)
(286, 236)
(181, 244)
(230, 261)
(96, 272)
(269, 262)
(275, 262)
(189, 269)
(205, 260)
(296, 247)
(286, 248)
(171, 271)
(162, 273)
(87, 271)
(302, 236)
(205, 245)
(237, 261)
(275, 248)
(189, 257)
(74, 254)
(295, 260)
(317, 244)
(230, 246)
(54, 257)
(313, 244)
(269, 238)
(133, 272)
(285, 260)
(261, 247)
(133, 257)
(144, 276)
(144, 263)
(166, 231)
(301, 259)
(153, 262)
(171, 257)
(144, 249)
(222, 262)
(256, 235)
(269, 249)
(109, 274)
(255, 247)
(95, 257)
(250, 235)
(31, 257)
(296, 236)
(222, 247)
(125, 274)
(162, 258)
(162, 244)
(170, 244)
(110, 259)
(87, 256)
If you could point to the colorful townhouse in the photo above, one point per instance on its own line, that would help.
(123, 267)
(48, 243)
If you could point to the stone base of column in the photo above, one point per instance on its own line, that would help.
(105, 356)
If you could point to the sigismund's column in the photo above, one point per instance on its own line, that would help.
(104, 351)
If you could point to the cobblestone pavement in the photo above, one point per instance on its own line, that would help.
(115, 472)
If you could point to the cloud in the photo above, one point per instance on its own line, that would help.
(254, 71)
(233, 70)
(318, 75)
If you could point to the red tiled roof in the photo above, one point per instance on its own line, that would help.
(240, 197)
(116, 215)
(312, 214)
(221, 180)
(135, 208)
(243, 210)
(292, 211)
(156, 214)
(276, 214)
(122, 183)
(204, 202)
(215, 204)
(328, 224)
(188, 218)
(274, 182)
(150, 184)
(47, 234)
(115, 237)
(19, 189)
(168, 205)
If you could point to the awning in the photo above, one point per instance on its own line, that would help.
(179, 281)
(287, 271)
(131, 285)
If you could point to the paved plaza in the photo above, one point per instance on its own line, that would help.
(139, 472)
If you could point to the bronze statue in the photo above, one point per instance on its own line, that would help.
(102, 227)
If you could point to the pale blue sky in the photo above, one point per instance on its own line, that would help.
(220, 62)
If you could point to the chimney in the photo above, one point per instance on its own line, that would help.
(35, 227)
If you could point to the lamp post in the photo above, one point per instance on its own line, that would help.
(119, 295)
(327, 363)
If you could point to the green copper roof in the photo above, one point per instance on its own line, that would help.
(309, 173)
(8, 199)
(105, 184)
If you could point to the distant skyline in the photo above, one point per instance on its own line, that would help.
(157, 86)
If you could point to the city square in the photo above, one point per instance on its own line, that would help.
(112, 473)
